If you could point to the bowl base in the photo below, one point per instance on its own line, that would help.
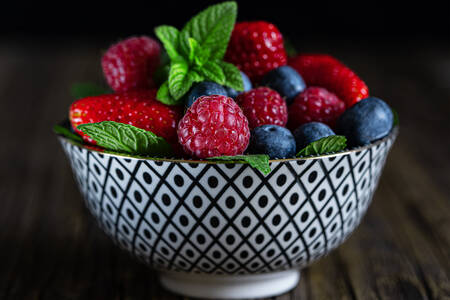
(230, 286)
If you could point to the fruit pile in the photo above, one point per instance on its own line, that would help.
(217, 88)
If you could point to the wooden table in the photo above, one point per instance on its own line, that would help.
(50, 248)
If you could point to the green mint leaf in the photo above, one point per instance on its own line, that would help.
(183, 44)
(396, 119)
(290, 48)
(85, 89)
(329, 144)
(194, 76)
(201, 56)
(168, 35)
(233, 77)
(64, 131)
(212, 71)
(257, 161)
(126, 138)
(163, 95)
(193, 46)
(197, 55)
(212, 27)
(179, 82)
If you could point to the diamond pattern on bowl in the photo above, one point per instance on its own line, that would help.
(228, 218)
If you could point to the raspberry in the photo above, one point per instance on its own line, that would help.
(214, 126)
(326, 71)
(263, 106)
(256, 48)
(138, 108)
(315, 104)
(130, 64)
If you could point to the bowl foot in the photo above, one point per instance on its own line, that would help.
(230, 286)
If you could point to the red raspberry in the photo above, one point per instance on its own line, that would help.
(315, 104)
(137, 108)
(263, 106)
(214, 126)
(326, 71)
(256, 48)
(130, 64)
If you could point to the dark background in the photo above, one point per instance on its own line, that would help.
(358, 20)
(52, 249)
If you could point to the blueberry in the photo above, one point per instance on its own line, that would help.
(205, 88)
(368, 120)
(247, 87)
(273, 140)
(286, 81)
(311, 132)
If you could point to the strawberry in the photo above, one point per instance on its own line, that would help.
(326, 71)
(137, 108)
(130, 64)
(256, 48)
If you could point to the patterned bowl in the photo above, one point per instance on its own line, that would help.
(217, 230)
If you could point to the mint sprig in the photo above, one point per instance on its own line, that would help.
(86, 89)
(196, 52)
(324, 145)
(126, 138)
(257, 161)
(64, 131)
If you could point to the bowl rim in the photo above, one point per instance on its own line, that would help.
(392, 135)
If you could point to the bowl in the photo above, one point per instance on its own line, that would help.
(217, 230)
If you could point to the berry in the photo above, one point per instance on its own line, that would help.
(273, 140)
(326, 71)
(315, 104)
(263, 106)
(247, 86)
(366, 121)
(214, 126)
(137, 108)
(130, 64)
(286, 81)
(256, 48)
(311, 132)
(205, 88)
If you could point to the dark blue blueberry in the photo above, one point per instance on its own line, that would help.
(286, 81)
(368, 120)
(311, 132)
(247, 87)
(273, 140)
(205, 88)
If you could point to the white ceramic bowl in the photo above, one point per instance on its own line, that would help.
(218, 230)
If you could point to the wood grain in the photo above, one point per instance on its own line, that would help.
(50, 248)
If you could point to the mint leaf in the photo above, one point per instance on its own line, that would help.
(194, 76)
(168, 35)
(329, 144)
(179, 82)
(86, 89)
(257, 161)
(396, 119)
(126, 138)
(212, 27)
(198, 55)
(212, 71)
(163, 95)
(289, 48)
(233, 77)
(64, 131)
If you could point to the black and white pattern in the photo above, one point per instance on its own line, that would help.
(228, 218)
